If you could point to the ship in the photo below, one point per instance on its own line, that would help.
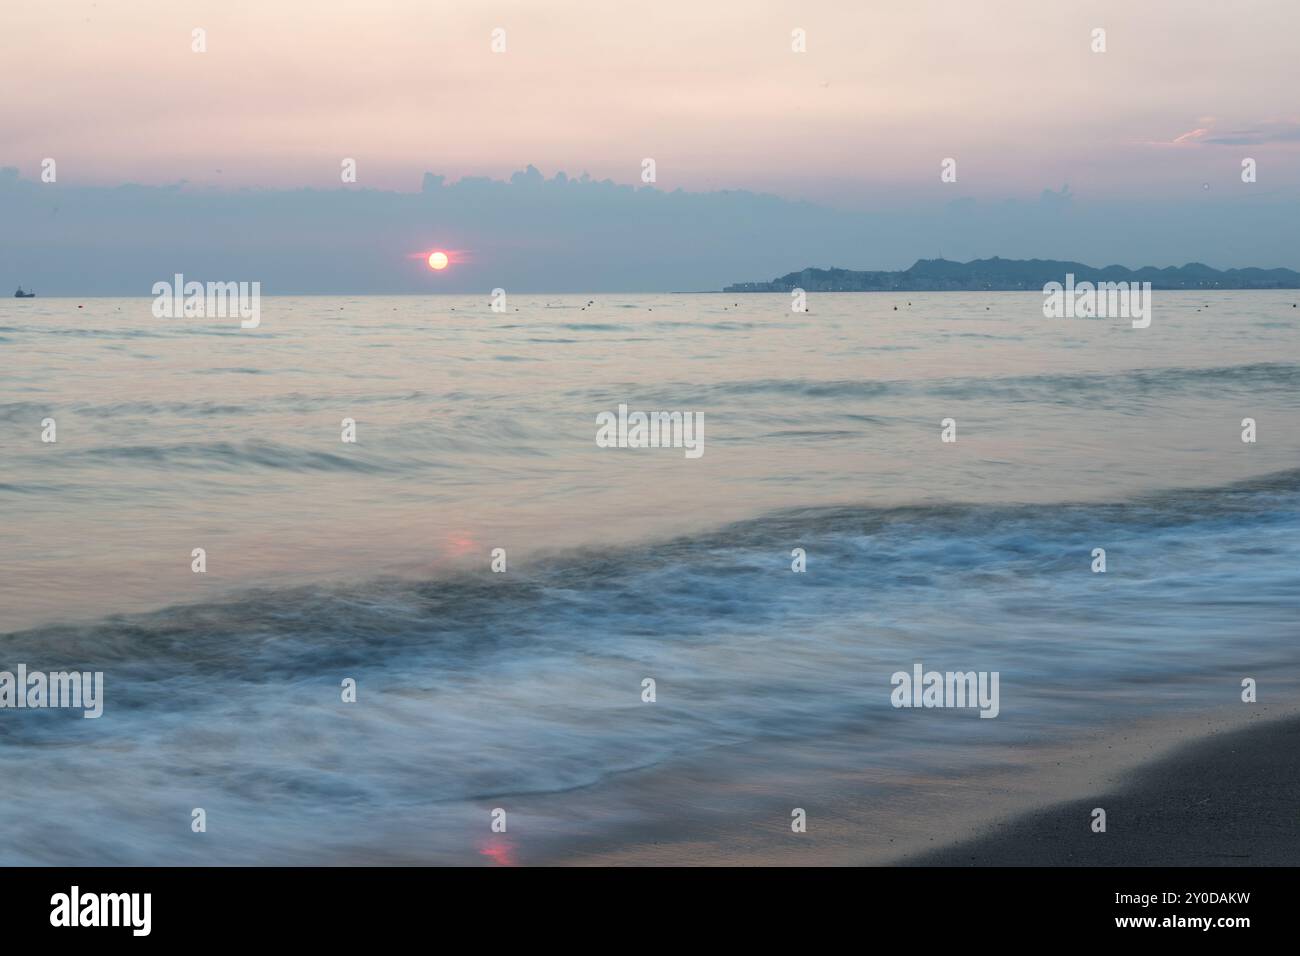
(20, 294)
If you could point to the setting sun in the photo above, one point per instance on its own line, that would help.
(438, 260)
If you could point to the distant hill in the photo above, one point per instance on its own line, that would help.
(1006, 275)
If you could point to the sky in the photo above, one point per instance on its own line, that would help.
(766, 160)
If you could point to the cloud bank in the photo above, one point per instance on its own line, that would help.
(574, 234)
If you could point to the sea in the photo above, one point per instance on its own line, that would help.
(476, 607)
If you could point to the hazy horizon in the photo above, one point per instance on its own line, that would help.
(535, 234)
(783, 137)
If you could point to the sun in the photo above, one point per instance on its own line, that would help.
(438, 260)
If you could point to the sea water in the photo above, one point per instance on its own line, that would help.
(476, 433)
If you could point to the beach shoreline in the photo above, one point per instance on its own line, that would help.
(1223, 800)
(1033, 810)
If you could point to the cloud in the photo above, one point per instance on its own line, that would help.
(530, 233)
(1286, 132)
(1265, 133)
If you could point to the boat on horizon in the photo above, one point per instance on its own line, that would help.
(20, 294)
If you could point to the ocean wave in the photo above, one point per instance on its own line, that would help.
(224, 455)
(474, 686)
(723, 574)
(1047, 388)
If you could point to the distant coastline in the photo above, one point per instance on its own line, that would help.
(1018, 275)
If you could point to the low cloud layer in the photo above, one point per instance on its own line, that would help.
(573, 234)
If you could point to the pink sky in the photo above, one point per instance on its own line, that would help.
(711, 91)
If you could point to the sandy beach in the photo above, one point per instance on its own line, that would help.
(1210, 789)
(1228, 799)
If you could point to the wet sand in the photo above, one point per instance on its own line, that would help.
(1232, 799)
(1215, 788)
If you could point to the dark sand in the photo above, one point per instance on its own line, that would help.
(1230, 800)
